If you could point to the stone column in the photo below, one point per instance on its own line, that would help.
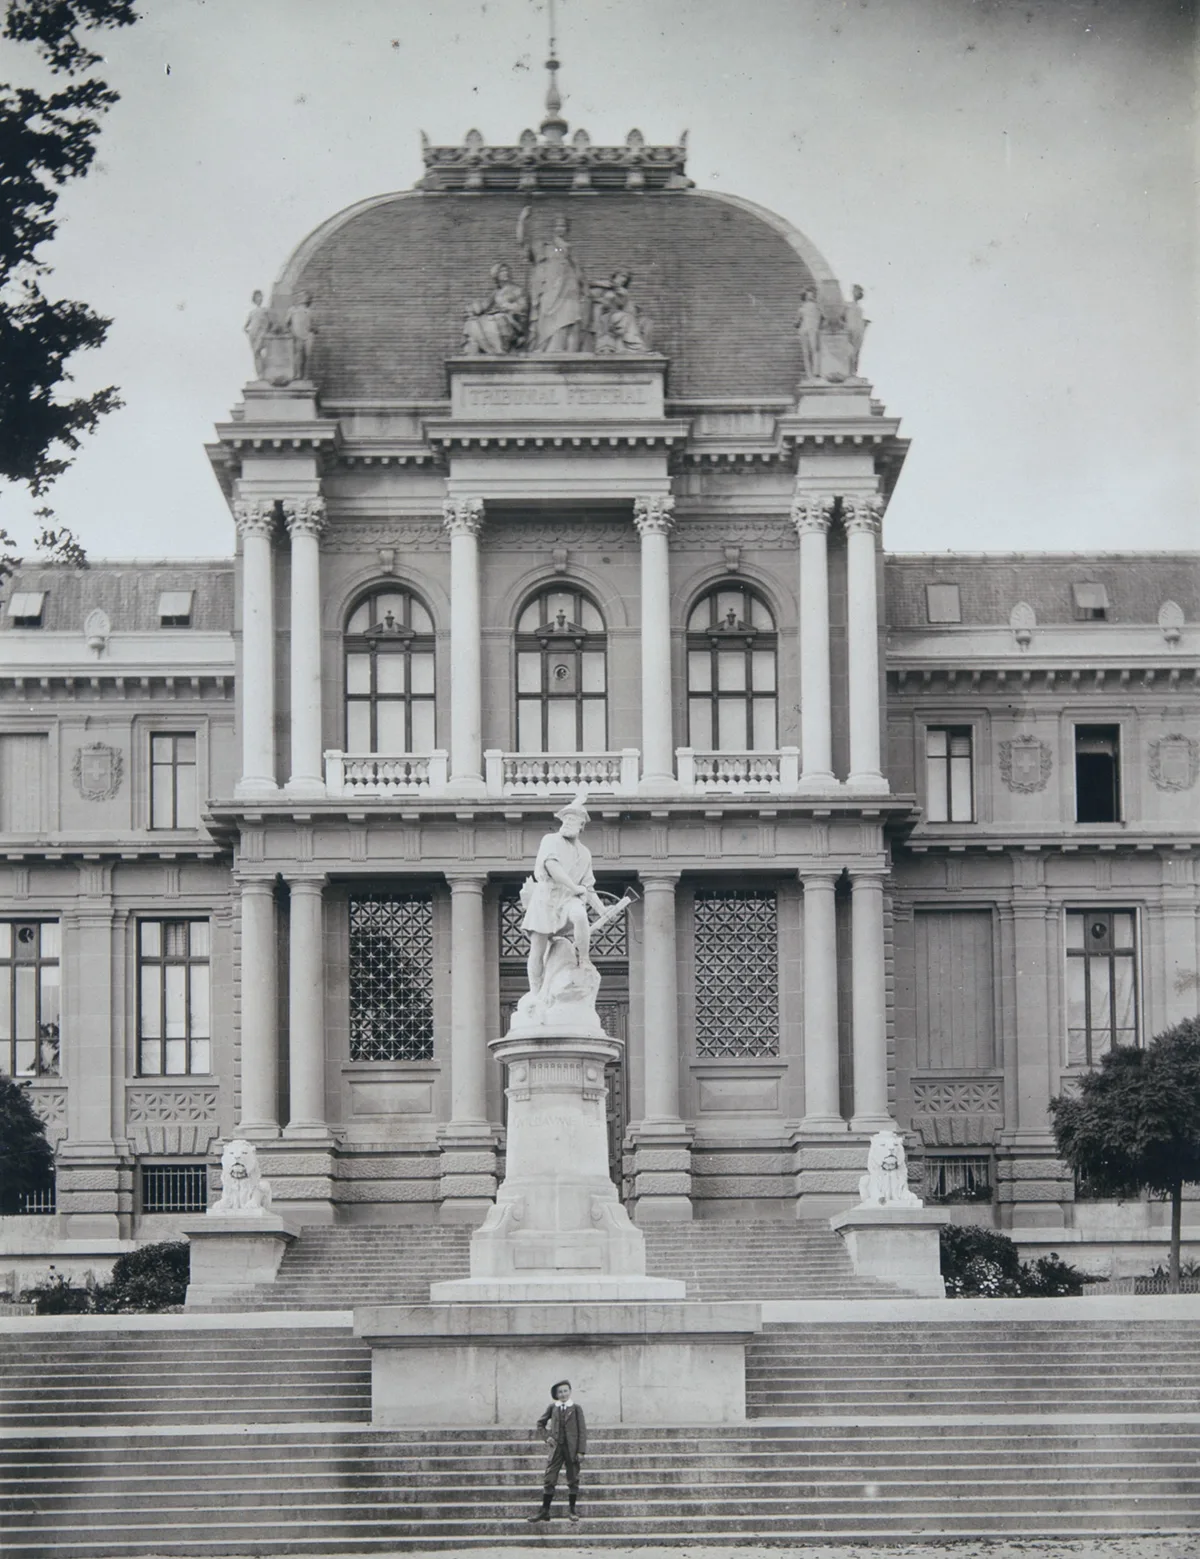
(463, 521)
(306, 1010)
(810, 515)
(654, 518)
(468, 1166)
(305, 518)
(822, 1107)
(255, 520)
(869, 1005)
(662, 1156)
(862, 520)
(259, 993)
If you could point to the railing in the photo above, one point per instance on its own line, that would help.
(174, 1188)
(373, 774)
(38, 1202)
(561, 774)
(738, 773)
(958, 1179)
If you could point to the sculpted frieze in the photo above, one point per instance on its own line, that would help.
(1174, 761)
(409, 537)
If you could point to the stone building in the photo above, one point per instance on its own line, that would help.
(589, 497)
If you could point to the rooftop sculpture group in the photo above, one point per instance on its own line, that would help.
(282, 350)
(831, 336)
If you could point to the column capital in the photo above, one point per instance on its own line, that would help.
(254, 517)
(654, 516)
(869, 873)
(307, 882)
(659, 879)
(462, 516)
(862, 512)
(812, 511)
(466, 882)
(247, 884)
(819, 876)
(304, 516)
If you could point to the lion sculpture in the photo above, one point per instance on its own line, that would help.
(244, 1192)
(885, 1183)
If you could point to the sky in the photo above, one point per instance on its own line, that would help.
(1011, 181)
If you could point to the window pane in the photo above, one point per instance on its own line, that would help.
(198, 938)
(937, 798)
(160, 749)
(422, 727)
(730, 601)
(151, 1059)
(762, 671)
(26, 1002)
(201, 1051)
(389, 673)
(151, 1015)
(419, 620)
(589, 617)
(1074, 930)
(1076, 1005)
(1124, 1014)
(5, 939)
(358, 727)
(50, 992)
(563, 601)
(731, 671)
(593, 671)
(529, 672)
(936, 741)
(161, 798)
(701, 615)
(151, 938)
(185, 749)
(564, 673)
(5, 1002)
(176, 1001)
(358, 673)
(699, 671)
(764, 725)
(176, 1057)
(700, 724)
(1101, 1014)
(759, 615)
(731, 734)
(388, 601)
(26, 1058)
(360, 618)
(1122, 924)
(593, 725)
(960, 790)
(560, 726)
(420, 671)
(389, 724)
(175, 937)
(50, 938)
(186, 811)
(530, 618)
(529, 725)
(199, 1003)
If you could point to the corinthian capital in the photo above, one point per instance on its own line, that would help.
(304, 516)
(254, 517)
(862, 512)
(463, 516)
(812, 511)
(654, 516)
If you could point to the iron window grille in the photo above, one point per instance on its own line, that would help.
(609, 943)
(174, 1032)
(391, 977)
(949, 778)
(1102, 994)
(562, 675)
(173, 790)
(956, 1178)
(737, 973)
(174, 1188)
(30, 998)
(38, 1201)
(389, 655)
(732, 657)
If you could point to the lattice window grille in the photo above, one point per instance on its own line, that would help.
(612, 942)
(737, 973)
(391, 977)
(174, 1188)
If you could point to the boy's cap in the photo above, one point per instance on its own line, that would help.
(557, 1384)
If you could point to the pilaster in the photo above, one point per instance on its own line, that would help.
(463, 521)
(662, 1158)
(468, 1141)
(862, 516)
(654, 517)
(255, 521)
(305, 520)
(259, 1012)
(811, 513)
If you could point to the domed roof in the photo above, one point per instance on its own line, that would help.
(719, 278)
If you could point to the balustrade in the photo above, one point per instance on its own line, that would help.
(561, 774)
(738, 773)
(373, 774)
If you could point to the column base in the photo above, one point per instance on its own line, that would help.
(257, 1131)
(254, 789)
(820, 782)
(306, 788)
(658, 785)
(874, 784)
(468, 1172)
(308, 1131)
(303, 1172)
(651, 1209)
(466, 785)
(823, 1125)
(870, 1124)
(662, 1172)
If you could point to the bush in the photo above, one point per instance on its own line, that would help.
(143, 1281)
(980, 1263)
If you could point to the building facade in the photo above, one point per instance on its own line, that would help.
(576, 483)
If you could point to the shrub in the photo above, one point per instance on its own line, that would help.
(143, 1281)
(59, 1296)
(980, 1263)
(26, 1158)
(1050, 1277)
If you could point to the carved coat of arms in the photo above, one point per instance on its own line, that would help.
(1025, 763)
(1174, 761)
(97, 771)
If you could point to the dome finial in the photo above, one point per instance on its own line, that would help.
(554, 126)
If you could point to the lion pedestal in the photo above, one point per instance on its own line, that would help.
(238, 1243)
(891, 1234)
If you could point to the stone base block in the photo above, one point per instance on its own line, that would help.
(565, 1289)
(231, 1257)
(303, 1176)
(454, 1365)
(901, 1245)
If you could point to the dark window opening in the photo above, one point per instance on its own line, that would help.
(174, 1188)
(1097, 774)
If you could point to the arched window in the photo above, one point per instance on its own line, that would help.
(562, 678)
(731, 645)
(389, 674)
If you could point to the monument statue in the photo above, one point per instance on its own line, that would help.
(497, 327)
(808, 324)
(856, 327)
(558, 291)
(620, 324)
(300, 326)
(885, 1183)
(258, 328)
(244, 1192)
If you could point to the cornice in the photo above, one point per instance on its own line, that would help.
(480, 436)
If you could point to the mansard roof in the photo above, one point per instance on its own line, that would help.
(128, 591)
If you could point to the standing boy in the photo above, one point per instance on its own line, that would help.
(565, 1432)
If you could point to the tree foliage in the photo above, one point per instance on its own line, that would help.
(47, 139)
(26, 1157)
(1134, 1123)
(979, 1263)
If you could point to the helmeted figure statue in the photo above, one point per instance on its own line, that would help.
(558, 290)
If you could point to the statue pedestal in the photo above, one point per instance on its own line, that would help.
(901, 1245)
(231, 1255)
(558, 1229)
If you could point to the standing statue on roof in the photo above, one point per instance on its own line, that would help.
(559, 298)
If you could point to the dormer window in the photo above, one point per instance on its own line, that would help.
(942, 604)
(175, 609)
(25, 608)
(1091, 602)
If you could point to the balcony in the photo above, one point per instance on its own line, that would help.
(738, 773)
(348, 775)
(561, 774)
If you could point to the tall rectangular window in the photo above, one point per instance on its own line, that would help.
(1101, 983)
(173, 780)
(737, 973)
(174, 1030)
(24, 782)
(949, 784)
(391, 977)
(30, 983)
(1097, 774)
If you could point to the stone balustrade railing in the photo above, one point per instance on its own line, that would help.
(738, 773)
(374, 774)
(560, 774)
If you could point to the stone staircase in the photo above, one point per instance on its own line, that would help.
(338, 1268)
